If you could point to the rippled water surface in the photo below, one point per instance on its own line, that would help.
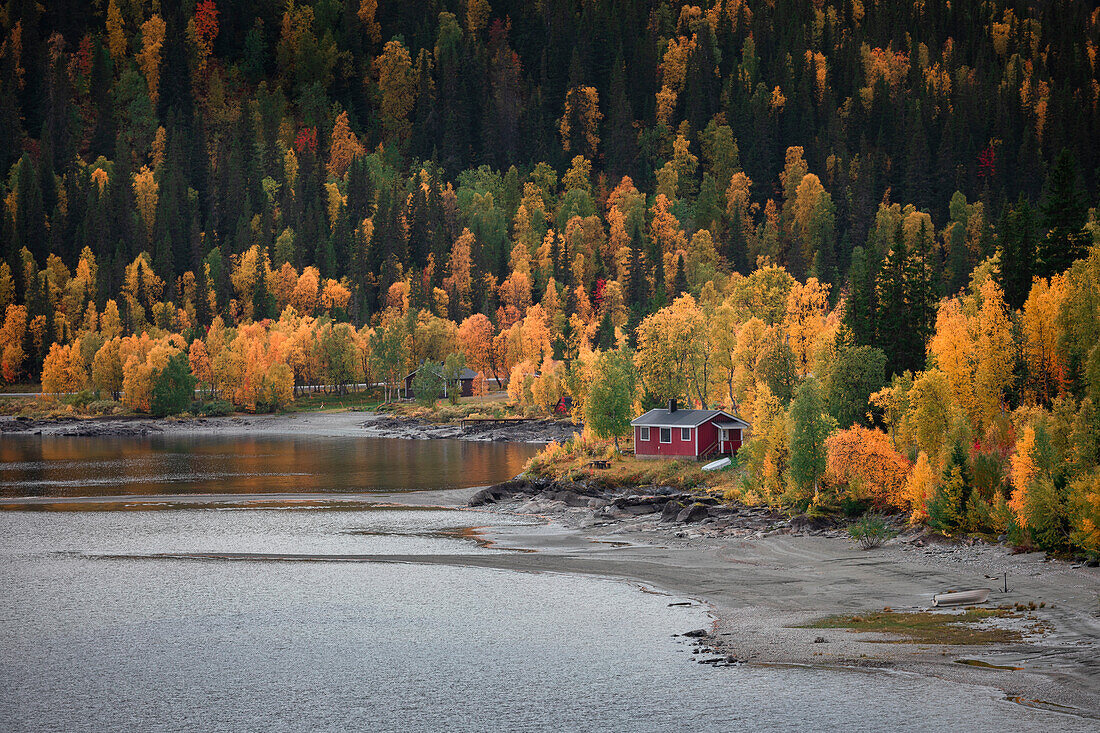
(135, 620)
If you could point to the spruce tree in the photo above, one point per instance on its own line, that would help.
(680, 282)
(1017, 248)
(861, 315)
(893, 318)
(1064, 213)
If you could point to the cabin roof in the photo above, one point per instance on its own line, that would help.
(661, 418)
(466, 373)
(734, 424)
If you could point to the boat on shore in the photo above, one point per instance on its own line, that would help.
(961, 597)
(717, 465)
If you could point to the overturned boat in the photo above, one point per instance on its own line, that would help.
(961, 597)
(717, 465)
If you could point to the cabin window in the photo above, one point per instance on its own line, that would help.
(666, 435)
(685, 434)
(643, 434)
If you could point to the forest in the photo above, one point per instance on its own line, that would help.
(867, 227)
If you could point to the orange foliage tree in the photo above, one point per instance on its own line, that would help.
(865, 461)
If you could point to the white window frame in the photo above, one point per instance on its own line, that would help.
(662, 435)
(643, 435)
(685, 435)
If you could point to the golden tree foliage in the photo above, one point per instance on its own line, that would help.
(107, 368)
(952, 349)
(995, 351)
(1039, 322)
(146, 192)
(919, 487)
(665, 227)
(116, 31)
(397, 82)
(306, 290)
(976, 351)
(477, 15)
(1084, 511)
(11, 342)
(580, 124)
(475, 337)
(458, 283)
(152, 40)
(198, 358)
(368, 9)
(865, 461)
(1024, 471)
(806, 311)
(669, 345)
(344, 147)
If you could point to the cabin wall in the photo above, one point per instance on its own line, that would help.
(708, 438)
(654, 448)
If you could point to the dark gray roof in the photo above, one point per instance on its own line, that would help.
(661, 417)
(734, 424)
(466, 373)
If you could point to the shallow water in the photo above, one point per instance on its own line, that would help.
(67, 467)
(100, 631)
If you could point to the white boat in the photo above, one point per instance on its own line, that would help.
(715, 465)
(961, 597)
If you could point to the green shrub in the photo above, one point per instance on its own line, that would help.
(213, 408)
(80, 399)
(871, 530)
(104, 407)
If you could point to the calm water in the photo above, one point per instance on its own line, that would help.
(65, 467)
(97, 634)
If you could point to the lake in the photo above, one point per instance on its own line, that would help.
(167, 465)
(124, 620)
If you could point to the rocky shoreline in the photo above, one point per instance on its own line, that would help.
(537, 431)
(768, 577)
(668, 507)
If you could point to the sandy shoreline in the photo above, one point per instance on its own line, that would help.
(764, 585)
(320, 424)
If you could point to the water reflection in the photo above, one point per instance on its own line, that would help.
(70, 467)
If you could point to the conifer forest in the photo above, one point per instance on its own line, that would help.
(869, 227)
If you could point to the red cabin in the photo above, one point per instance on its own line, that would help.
(675, 433)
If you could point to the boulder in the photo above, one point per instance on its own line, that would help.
(694, 513)
(671, 509)
(806, 523)
(569, 498)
